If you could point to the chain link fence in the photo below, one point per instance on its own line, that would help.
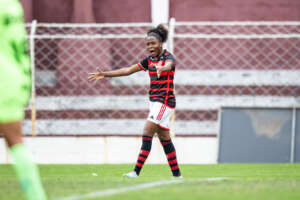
(218, 64)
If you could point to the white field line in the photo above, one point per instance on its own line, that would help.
(215, 179)
(110, 192)
(211, 179)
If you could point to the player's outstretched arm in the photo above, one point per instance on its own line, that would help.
(95, 76)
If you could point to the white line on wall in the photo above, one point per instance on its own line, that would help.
(113, 126)
(198, 77)
(138, 102)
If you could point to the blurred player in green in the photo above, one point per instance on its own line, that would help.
(15, 84)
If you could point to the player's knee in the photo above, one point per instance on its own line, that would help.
(150, 129)
(164, 137)
(148, 132)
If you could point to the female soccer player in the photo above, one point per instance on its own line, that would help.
(161, 67)
(15, 83)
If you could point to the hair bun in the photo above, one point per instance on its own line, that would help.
(161, 30)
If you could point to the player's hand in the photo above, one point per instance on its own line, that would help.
(96, 76)
(159, 69)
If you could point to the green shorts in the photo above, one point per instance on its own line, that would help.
(14, 91)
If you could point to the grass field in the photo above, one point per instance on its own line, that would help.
(245, 181)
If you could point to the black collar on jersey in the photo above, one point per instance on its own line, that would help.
(160, 57)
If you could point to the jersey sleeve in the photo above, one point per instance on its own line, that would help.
(144, 64)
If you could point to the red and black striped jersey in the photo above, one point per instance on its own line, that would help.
(162, 88)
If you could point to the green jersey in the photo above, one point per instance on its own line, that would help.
(14, 61)
(13, 35)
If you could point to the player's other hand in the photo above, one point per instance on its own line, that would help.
(96, 76)
(159, 69)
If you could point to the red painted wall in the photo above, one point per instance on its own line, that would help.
(235, 10)
(119, 11)
(27, 5)
(57, 11)
(65, 11)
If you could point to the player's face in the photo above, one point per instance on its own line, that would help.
(154, 46)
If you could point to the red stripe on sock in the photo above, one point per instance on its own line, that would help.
(139, 164)
(144, 152)
(171, 162)
(165, 142)
(147, 138)
(175, 167)
(141, 158)
(171, 155)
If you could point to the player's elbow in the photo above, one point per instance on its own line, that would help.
(131, 70)
(127, 71)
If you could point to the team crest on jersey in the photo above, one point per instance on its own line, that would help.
(152, 64)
